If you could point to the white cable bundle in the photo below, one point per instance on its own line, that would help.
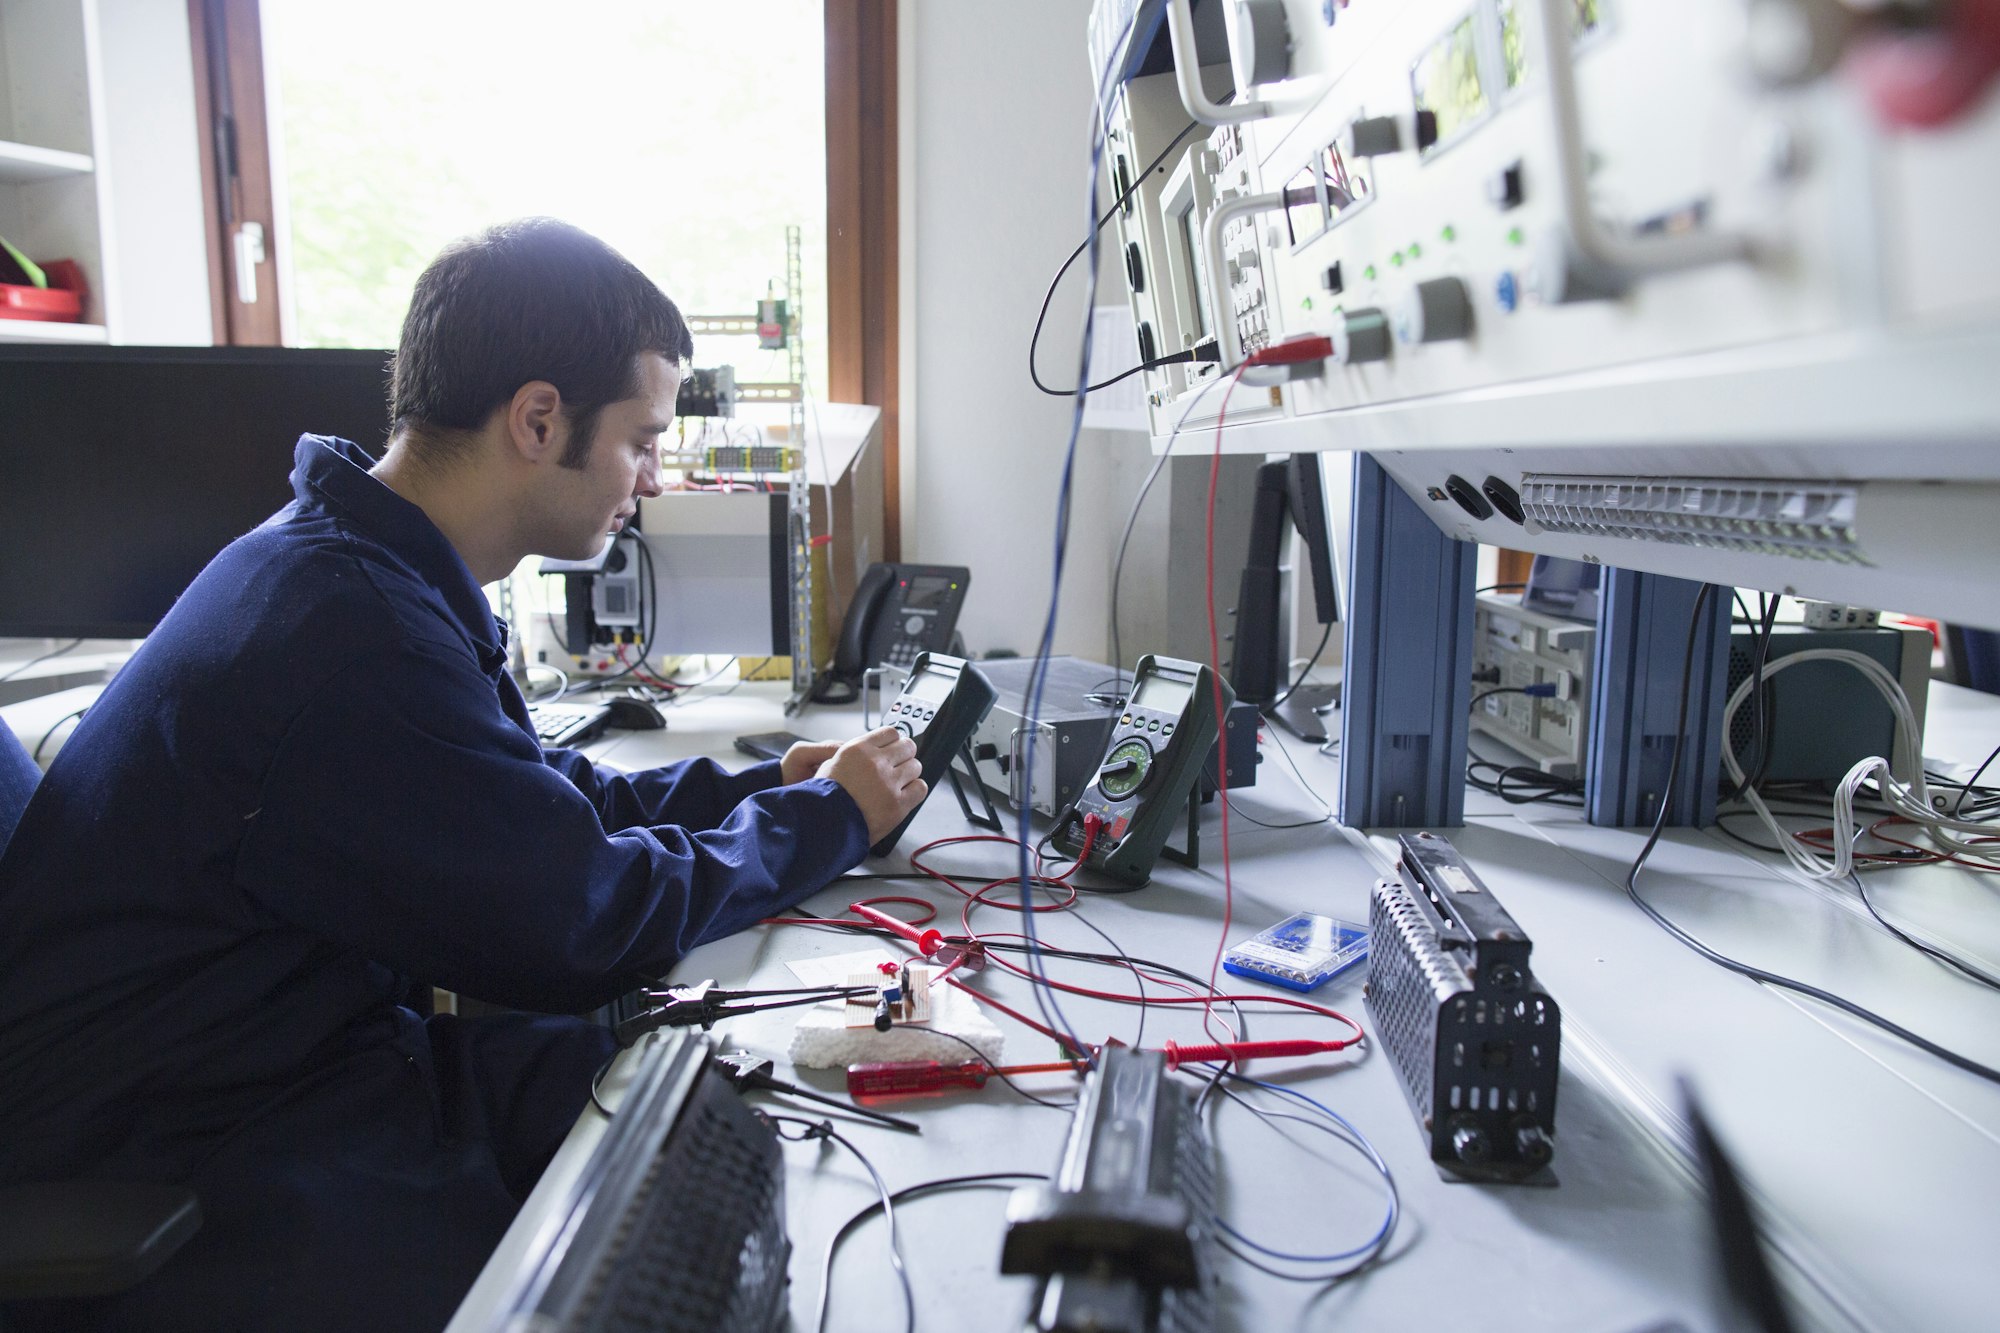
(1909, 797)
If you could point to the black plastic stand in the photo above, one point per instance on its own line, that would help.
(1192, 856)
(991, 819)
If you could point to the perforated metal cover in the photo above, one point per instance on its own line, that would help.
(1475, 1061)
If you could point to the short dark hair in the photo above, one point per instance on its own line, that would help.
(532, 299)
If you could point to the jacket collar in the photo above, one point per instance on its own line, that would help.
(331, 475)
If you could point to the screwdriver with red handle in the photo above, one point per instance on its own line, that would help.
(928, 1078)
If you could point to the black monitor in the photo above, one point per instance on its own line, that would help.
(1286, 489)
(124, 470)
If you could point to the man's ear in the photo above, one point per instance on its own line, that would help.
(535, 424)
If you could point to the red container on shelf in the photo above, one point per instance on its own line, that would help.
(61, 301)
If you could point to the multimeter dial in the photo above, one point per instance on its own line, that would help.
(1125, 768)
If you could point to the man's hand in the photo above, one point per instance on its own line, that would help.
(880, 771)
(803, 760)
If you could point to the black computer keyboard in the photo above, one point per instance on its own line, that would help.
(558, 725)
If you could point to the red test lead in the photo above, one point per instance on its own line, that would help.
(928, 940)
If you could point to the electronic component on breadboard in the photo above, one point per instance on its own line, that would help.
(1474, 1037)
(891, 999)
(1301, 953)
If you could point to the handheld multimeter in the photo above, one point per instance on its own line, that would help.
(1149, 769)
(940, 706)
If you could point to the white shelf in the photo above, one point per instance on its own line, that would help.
(50, 331)
(25, 162)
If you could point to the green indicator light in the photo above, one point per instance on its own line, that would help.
(1305, 303)
(1416, 251)
(1515, 236)
(1450, 233)
(1396, 259)
(1369, 273)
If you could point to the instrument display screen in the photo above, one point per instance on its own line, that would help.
(1163, 694)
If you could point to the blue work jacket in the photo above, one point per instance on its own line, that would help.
(313, 792)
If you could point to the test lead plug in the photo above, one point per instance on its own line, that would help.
(748, 1072)
(702, 1005)
(1300, 358)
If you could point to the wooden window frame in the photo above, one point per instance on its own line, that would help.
(862, 254)
(227, 40)
(862, 244)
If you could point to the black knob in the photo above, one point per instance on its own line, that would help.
(1533, 1145)
(1469, 1142)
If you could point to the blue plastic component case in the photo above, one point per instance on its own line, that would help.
(1300, 953)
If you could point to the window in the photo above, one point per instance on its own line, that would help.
(688, 136)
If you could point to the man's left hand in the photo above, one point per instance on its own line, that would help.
(803, 760)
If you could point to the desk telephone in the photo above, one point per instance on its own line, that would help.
(898, 612)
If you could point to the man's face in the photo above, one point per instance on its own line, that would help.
(624, 463)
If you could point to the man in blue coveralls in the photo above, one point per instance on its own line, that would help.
(315, 792)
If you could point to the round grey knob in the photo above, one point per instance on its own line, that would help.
(1374, 136)
(1436, 311)
(1263, 52)
(1361, 335)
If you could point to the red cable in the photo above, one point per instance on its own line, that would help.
(1221, 710)
(1091, 824)
(1208, 999)
(978, 898)
(1062, 1042)
(1821, 839)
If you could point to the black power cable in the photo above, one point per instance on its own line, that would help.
(1034, 339)
(33, 661)
(990, 1180)
(1207, 351)
(1841, 1003)
(823, 1129)
(1305, 670)
(1959, 805)
(1760, 707)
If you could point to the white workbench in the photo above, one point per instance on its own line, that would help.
(1876, 1166)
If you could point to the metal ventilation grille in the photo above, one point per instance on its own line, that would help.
(1409, 977)
(1803, 520)
(1519, 1038)
(660, 1275)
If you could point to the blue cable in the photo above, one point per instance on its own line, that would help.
(1373, 1244)
(1045, 998)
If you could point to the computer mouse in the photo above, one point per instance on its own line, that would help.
(634, 714)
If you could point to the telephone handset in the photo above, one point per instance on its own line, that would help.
(898, 612)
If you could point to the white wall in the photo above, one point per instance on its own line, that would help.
(153, 165)
(996, 117)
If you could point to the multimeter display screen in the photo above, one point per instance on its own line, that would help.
(931, 686)
(1162, 694)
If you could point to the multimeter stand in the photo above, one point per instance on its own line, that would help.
(1190, 858)
(991, 819)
